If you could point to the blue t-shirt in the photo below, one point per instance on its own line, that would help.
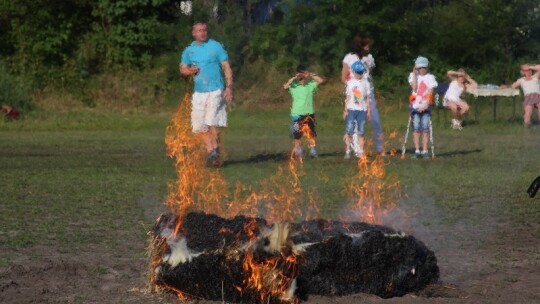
(208, 57)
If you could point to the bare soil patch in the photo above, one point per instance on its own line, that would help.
(500, 266)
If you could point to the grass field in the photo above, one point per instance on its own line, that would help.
(88, 185)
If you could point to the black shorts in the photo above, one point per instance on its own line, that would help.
(299, 123)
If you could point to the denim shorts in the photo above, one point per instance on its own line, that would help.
(298, 121)
(358, 117)
(421, 121)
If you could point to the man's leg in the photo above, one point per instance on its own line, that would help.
(214, 134)
(207, 140)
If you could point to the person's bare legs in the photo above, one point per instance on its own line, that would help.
(527, 113)
(215, 140)
(297, 147)
(416, 141)
(454, 108)
(207, 140)
(463, 108)
(348, 141)
(360, 145)
(458, 108)
(425, 138)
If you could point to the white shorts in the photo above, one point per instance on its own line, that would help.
(208, 109)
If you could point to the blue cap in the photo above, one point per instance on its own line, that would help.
(358, 67)
(421, 62)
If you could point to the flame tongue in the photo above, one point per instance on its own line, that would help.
(270, 264)
(271, 272)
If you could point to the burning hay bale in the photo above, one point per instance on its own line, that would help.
(248, 260)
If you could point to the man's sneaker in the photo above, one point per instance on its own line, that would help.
(347, 154)
(313, 152)
(213, 160)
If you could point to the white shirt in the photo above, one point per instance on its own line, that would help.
(368, 61)
(357, 92)
(424, 84)
(530, 86)
(454, 92)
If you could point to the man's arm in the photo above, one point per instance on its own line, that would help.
(186, 70)
(227, 71)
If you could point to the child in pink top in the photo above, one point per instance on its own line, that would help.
(530, 84)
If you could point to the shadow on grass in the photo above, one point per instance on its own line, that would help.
(271, 157)
(456, 153)
(446, 154)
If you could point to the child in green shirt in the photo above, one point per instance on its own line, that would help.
(301, 88)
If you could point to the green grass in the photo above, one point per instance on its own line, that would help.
(88, 177)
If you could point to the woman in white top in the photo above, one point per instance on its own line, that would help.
(360, 52)
(461, 82)
(530, 84)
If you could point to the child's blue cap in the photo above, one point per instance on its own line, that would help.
(421, 62)
(358, 67)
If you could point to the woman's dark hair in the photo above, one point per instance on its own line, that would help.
(359, 43)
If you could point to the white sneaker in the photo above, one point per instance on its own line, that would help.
(347, 154)
(456, 124)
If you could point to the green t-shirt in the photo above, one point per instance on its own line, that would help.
(302, 97)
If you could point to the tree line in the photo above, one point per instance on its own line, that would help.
(69, 42)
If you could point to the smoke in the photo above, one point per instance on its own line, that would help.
(457, 243)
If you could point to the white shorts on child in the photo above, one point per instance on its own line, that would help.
(208, 109)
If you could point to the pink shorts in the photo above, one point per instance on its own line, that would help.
(532, 99)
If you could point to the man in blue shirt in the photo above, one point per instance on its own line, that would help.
(205, 59)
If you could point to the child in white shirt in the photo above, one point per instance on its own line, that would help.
(357, 108)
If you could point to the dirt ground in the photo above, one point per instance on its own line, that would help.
(500, 264)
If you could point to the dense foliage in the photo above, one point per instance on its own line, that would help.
(66, 43)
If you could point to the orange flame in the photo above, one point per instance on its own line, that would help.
(306, 131)
(271, 276)
(375, 194)
(197, 188)
(281, 198)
